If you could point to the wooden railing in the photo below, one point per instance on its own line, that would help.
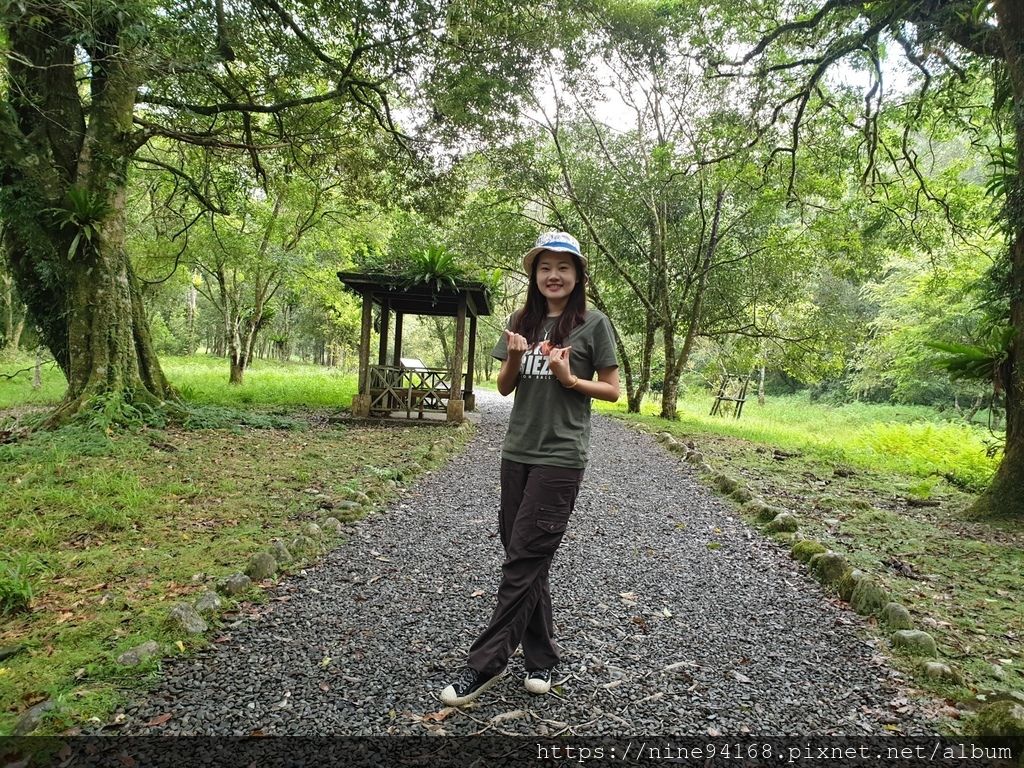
(408, 389)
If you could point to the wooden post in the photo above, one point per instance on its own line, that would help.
(398, 339)
(361, 402)
(385, 316)
(456, 405)
(471, 366)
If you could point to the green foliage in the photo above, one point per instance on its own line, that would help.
(82, 211)
(108, 410)
(436, 266)
(979, 362)
(913, 440)
(1003, 171)
(220, 417)
(16, 590)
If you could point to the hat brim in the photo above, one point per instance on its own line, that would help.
(531, 255)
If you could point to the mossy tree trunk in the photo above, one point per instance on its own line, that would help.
(63, 204)
(1006, 493)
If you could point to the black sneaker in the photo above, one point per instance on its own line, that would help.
(539, 680)
(468, 684)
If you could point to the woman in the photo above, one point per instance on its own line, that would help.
(550, 353)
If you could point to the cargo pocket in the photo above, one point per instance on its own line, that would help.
(550, 527)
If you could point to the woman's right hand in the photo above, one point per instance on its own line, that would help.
(516, 343)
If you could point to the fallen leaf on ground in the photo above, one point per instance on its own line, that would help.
(159, 720)
(437, 717)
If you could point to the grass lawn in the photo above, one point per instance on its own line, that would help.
(889, 487)
(202, 380)
(103, 534)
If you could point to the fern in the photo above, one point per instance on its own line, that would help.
(977, 362)
(83, 211)
(435, 266)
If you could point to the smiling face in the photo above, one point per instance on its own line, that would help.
(556, 277)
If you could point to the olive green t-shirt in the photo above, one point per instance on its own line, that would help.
(550, 424)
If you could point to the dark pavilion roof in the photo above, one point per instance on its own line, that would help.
(419, 298)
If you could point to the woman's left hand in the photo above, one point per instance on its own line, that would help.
(558, 362)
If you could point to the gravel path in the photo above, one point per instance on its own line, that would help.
(659, 633)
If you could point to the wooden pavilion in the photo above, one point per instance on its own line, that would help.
(390, 389)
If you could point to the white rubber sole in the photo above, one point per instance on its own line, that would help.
(537, 687)
(449, 699)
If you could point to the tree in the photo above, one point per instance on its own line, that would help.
(947, 43)
(13, 312)
(689, 239)
(86, 84)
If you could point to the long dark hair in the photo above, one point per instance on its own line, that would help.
(529, 321)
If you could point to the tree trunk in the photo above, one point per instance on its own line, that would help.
(8, 299)
(760, 387)
(442, 337)
(56, 157)
(190, 317)
(237, 373)
(678, 364)
(1006, 493)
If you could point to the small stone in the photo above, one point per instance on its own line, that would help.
(348, 505)
(805, 550)
(280, 552)
(998, 672)
(783, 523)
(312, 530)
(183, 616)
(10, 650)
(694, 457)
(936, 670)
(914, 642)
(849, 582)
(208, 602)
(1001, 723)
(33, 717)
(867, 597)
(665, 437)
(261, 566)
(724, 483)
(235, 584)
(135, 656)
(304, 545)
(829, 567)
(679, 448)
(755, 505)
(333, 525)
(742, 494)
(896, 616)
(358, 496)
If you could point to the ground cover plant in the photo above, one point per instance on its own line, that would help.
(201, 379)
(104, 532)
(889, 487)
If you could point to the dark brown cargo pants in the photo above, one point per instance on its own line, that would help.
(536, 502)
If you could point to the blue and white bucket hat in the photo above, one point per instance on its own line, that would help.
(553, 241)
